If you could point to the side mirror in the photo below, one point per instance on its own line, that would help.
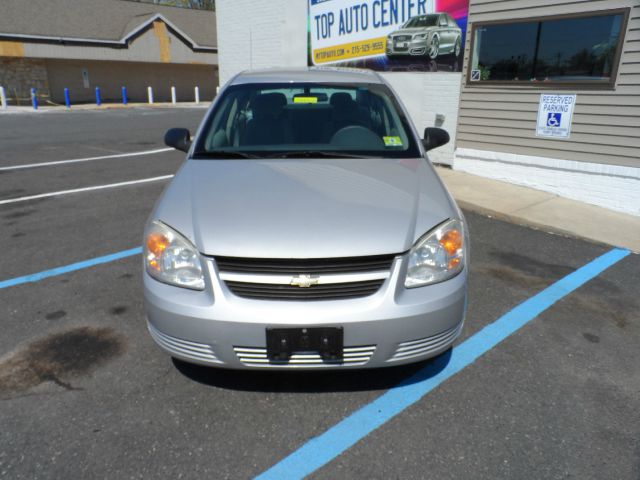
(178, 138)
(434, 137)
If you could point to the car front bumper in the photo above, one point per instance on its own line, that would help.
(416, 47)
(391, 327)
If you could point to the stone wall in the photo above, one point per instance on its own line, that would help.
(19, 75)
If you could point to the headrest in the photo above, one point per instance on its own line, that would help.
(268, 104)
(342, 100)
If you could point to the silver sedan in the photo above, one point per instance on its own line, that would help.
(305, 230)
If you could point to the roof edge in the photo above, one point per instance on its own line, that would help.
(115, 43)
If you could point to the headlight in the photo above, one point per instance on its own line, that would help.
(171, 258)
(420, 36)
(437, 256)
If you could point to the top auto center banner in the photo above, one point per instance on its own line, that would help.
(387, 31)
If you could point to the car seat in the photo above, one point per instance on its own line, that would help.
(268, 125)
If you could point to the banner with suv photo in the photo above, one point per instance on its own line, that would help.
(388, 35)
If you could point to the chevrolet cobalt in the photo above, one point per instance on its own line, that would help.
(306, 229)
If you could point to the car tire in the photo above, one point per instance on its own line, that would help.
(434, 48)
(457, 48)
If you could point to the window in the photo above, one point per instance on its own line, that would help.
(424, 21)
(576, 49)
(284, 119)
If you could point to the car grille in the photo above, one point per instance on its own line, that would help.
(257, 357)
(402, 38)
(310, 266)
(177, 346)
(423, 346)
(333, 291)
(270, 279)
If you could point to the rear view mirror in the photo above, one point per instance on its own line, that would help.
(178, 138)
(434, 137)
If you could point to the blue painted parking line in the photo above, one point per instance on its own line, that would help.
(323, 449)
(12, 282)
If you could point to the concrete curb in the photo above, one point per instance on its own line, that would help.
(542, 210)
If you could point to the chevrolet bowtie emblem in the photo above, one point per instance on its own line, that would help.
(304, 281)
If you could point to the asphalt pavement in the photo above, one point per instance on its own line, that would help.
(85, 393)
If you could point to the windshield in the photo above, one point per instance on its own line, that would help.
(426, 21)
(306, 120)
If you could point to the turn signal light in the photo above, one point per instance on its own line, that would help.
(156, 244)
(452, 241)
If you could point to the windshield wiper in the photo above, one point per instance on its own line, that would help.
(316, 154)
(223, 154)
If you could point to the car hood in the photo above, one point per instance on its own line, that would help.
(411, 31)
(309, 208)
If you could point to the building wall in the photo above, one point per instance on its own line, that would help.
(111, 76)
(432, 100)
(255, 35)
(19, 75)
(599, 163)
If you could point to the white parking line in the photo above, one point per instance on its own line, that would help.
(85, 189)
(89, 159)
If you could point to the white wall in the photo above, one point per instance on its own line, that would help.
(426, 95)
(255, 35)
(609, 186)
(279, 39)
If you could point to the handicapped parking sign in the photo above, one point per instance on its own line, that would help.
(554, 119)
(555, 114)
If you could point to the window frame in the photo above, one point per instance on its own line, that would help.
(582, 84)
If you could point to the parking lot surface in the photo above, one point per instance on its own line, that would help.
(85, 393)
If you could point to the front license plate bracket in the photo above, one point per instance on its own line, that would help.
(328, 342)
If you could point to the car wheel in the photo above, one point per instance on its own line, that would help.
(434, 48)
(457, 48)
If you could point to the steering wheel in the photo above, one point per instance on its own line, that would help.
(357, 136)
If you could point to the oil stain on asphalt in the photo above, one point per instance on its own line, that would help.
(119, 310)
(58, 358)
(19, 214)
(600, 297)
(57, 315)
(591, 337)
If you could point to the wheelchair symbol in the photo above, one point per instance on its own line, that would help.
(554, 119)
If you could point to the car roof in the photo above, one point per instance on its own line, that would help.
(426, 15)
(307, 75)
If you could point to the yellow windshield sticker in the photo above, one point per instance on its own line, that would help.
(392, 141)
(305, 100)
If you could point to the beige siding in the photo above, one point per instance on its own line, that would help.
(606, 123)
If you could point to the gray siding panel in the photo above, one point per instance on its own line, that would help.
(487, 143)
(519, 108)
(606, 122)
(598, 120)
(478, 125)
(629, 144)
